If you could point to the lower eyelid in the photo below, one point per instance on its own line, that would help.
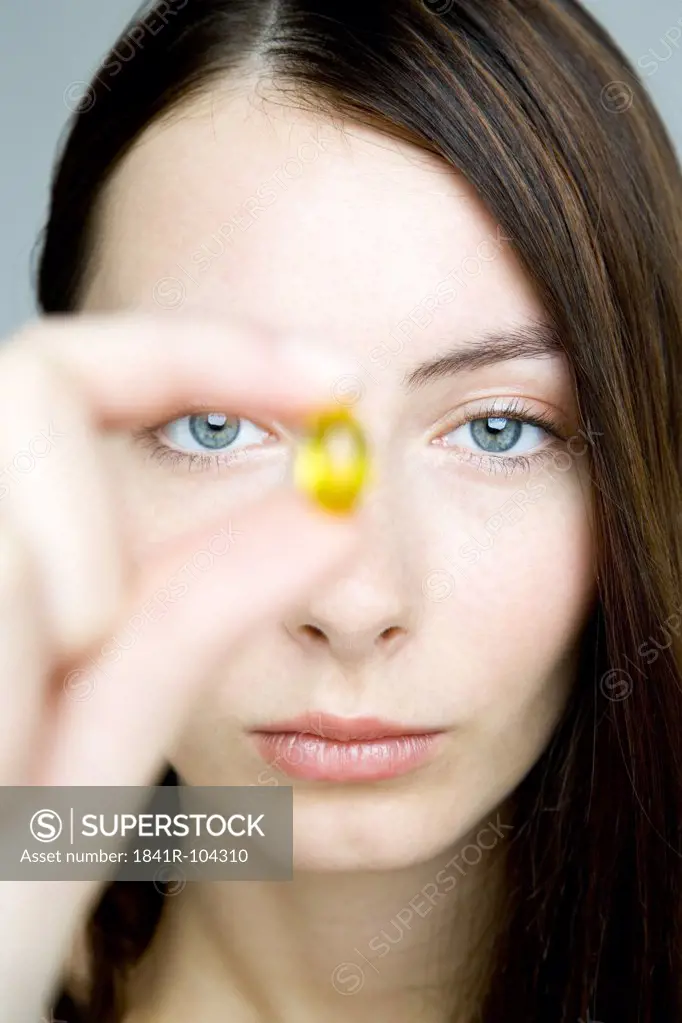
(492, 462)
(164, 452)
(505, 464)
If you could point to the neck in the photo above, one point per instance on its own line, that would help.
(405, 944)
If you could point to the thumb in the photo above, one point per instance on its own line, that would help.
(116, 732)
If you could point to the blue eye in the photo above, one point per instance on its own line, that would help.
(497, 435)
(214, 431)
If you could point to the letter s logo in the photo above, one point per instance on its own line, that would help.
(46, 825)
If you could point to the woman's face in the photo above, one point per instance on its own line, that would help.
(464, 606)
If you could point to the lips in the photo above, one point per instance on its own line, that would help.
(324, 747)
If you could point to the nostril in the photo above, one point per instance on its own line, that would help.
(312, 632)
(315, 635)
(390, 633)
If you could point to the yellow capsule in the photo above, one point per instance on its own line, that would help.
(332, 462)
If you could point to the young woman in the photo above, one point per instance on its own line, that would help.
(475, 208)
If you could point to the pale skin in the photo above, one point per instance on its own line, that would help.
(430, 606)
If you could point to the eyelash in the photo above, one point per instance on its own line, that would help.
(514, 409)
(163, 453)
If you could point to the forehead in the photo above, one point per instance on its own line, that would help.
(259, 209)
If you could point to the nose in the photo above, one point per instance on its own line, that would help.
(367, 612)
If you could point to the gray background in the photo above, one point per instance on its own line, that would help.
(48, 47)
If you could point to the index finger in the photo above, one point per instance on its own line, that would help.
(131, 368)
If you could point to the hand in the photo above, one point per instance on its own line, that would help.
(67, 581)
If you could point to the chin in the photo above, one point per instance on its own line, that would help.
(369, 828)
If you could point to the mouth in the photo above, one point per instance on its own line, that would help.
(323, 747)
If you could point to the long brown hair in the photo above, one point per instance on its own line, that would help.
(536, 106)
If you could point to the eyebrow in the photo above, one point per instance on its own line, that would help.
(531, 341)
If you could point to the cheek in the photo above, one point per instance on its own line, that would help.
(522, 579)
(160, 501)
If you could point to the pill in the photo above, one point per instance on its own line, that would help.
(332, 463)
